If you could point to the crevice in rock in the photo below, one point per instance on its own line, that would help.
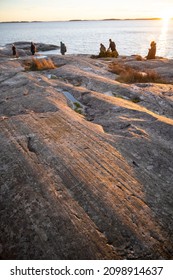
(30, 145)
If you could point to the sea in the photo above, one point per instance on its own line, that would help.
(84, 37)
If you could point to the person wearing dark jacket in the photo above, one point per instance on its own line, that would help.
(14, 50)
(112, 45)
(33, 48)
(63, 48)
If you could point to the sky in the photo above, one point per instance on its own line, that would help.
(52, 10)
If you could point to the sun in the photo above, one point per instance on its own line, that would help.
(166, 15)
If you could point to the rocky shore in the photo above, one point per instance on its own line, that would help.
(86, 162)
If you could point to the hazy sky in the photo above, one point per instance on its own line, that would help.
(19, 10)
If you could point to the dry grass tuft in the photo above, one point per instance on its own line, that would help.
(129, 75)
(134, 76)
(139, 58)
(117, 68)
(39, 64)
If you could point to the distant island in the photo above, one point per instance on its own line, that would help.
(23, 21)
(134, 19)
(72, 20)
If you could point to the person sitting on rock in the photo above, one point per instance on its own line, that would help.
(33, 48)
(63, 48)
(14, 50)
(102, 50)
(152, 51)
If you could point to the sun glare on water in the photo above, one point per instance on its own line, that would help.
(166, 16)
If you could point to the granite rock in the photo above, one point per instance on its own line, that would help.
(96, 185)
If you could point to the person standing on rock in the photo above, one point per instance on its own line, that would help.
(14, 50)
(33, 48)
(63, 48)
(112, 47)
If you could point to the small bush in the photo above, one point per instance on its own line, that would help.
(77, 105)
(77, 110)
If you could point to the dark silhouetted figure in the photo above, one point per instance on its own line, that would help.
(14, 50)
(152, 51)
(33, 48)
(63, 48)
(112, 45)
(102, 50)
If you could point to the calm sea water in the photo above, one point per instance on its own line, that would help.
(84, 37)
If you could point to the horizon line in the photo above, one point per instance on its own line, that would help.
(70, 20)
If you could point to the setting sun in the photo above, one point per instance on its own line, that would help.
(166, 15)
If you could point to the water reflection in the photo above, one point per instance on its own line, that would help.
(162, 42)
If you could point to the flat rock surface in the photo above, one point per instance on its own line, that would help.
(24, 48)
(95, 185)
